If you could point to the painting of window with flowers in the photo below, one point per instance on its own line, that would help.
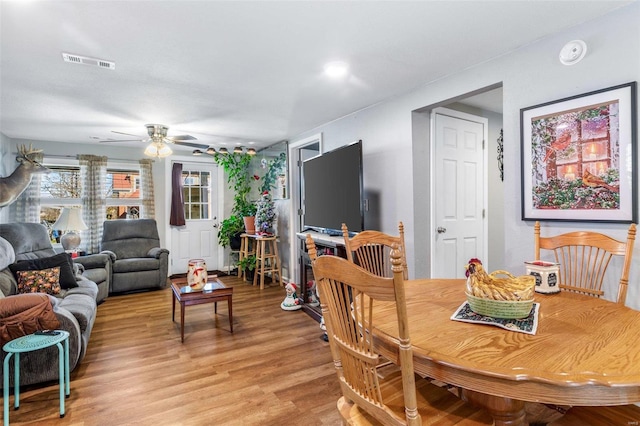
(578, 157)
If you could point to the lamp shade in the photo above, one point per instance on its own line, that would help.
(70, 220)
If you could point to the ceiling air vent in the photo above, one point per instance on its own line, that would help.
(77, 59)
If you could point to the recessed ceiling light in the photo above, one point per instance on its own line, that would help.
(336, 69)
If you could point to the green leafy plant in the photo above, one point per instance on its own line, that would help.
(236, 166)
(248, 263)
(274, 168)
(229, 228)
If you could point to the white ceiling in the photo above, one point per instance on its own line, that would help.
(241, 73)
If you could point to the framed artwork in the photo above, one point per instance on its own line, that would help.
(579, 157)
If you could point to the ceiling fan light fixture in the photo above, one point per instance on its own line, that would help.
(223, 150)
(211, 151)
(251, 151)
(237, 150)
(197, 152)
(158, 150)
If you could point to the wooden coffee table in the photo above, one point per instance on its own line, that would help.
(214, 291)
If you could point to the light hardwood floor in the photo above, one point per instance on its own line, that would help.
(273, 370)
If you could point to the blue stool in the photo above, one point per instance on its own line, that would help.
(34, 342)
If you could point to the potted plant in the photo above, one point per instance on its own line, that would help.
(236, 166)
(229, 232)
(248, 265)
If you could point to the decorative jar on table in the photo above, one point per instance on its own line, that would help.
(197, 274)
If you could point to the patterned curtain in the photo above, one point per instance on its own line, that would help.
(93, 175)
(146, 181)
(177, 199)
(27, 207)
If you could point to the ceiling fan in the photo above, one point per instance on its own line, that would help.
(158, 134)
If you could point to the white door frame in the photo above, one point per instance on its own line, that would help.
(432, 215)
(295, 180)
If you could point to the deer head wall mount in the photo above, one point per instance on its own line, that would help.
(13, 185)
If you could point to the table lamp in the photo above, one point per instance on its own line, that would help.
(70, 220)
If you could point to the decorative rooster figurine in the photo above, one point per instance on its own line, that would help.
(472, 266)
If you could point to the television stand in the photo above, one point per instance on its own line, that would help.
(325, 245)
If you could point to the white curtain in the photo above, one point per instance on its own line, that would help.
(148, 210)
(93, 175)
(26, 208)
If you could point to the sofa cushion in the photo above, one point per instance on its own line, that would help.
(62, 260)
(24, 314)
(39, 281)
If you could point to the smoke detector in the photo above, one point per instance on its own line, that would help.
(573, 52)
(94, 62)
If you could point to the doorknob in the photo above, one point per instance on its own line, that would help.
(441, 230)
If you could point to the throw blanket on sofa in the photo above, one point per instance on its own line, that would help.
(24, 314)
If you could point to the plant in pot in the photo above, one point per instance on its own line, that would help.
(236, 166)
(247, 210)
(248, 265)
(230, 231)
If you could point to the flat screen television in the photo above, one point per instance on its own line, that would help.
(333, 190)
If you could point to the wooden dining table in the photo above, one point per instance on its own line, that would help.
(586, 351)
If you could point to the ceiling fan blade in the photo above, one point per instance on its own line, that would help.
(195, 145)
(122, 140)
(128, 134)
(183, 138)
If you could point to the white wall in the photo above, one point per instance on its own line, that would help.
(397, 167)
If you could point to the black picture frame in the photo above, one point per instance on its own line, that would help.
(579, 157)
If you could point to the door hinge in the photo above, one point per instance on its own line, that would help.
(482, 143)
(483, 212)
(300, 212)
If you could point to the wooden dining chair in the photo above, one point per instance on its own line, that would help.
(348, 295)
(371, 249)
(584, 258)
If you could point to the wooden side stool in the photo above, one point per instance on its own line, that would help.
(267, 260)
(247, 248)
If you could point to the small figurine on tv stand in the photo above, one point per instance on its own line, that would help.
(291, 301)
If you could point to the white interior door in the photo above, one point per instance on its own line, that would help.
(198, 239)
(459, 192)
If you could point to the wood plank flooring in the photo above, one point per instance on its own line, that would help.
(273, 370)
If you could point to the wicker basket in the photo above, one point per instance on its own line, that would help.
(510, 309)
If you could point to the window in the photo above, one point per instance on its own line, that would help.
(123, 193)
(63, 187)
(59, 188)
(196, 192)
